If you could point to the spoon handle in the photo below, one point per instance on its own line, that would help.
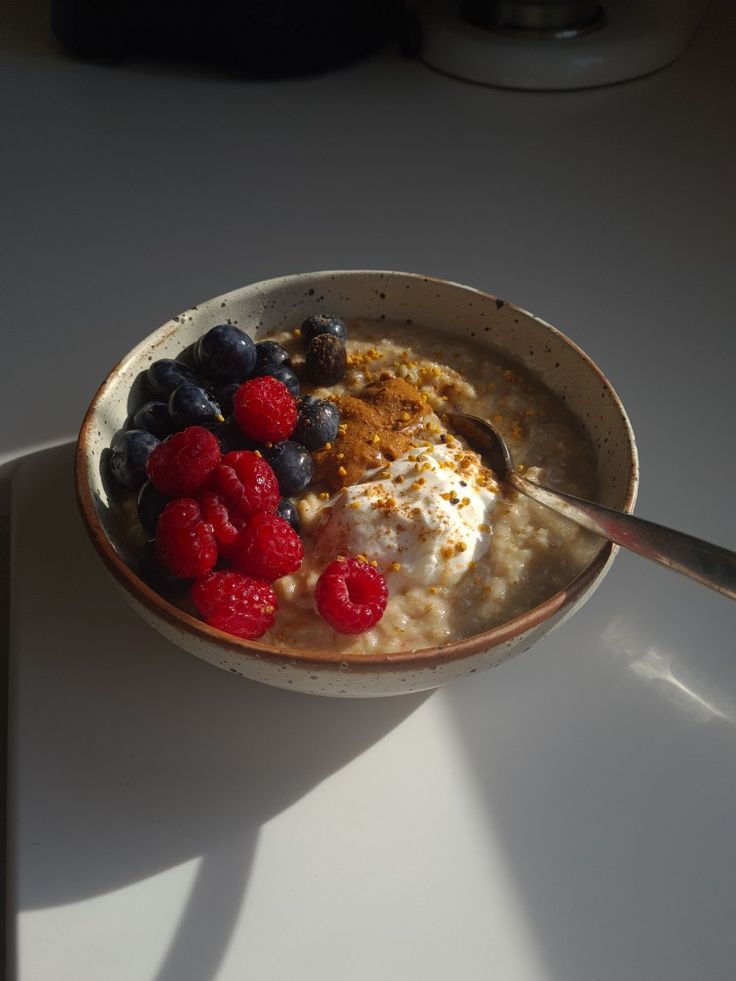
(711, 565)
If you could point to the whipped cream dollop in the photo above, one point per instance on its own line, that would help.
(425, 518)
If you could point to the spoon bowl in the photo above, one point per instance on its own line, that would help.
(485, 440)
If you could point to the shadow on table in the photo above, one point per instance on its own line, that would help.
(148, 757)
(605, 765)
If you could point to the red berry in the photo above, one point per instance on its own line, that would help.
(267, 548)
(225, 524)
(265, 409)
(351, 595)
(181, 464)
(185, 544)
(247, 483)
(234, 603)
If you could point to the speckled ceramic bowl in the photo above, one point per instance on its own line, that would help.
(267, 307)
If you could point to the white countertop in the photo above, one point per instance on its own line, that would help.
(568, 816)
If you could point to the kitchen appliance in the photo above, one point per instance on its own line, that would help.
(262, 38)
(552, 44)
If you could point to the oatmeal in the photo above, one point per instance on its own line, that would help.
(460, 554)
(250, 514)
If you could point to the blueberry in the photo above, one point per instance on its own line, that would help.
(224, 394)
(225, 354)
(231, 437)
(154, 417)
(151, 503)
(318, 422)
(326, 360)
(323, 323)
(191, 405)
(269, 352)
(283, 373)
(130, 451)
(166, 375)
(292, 465)
(158, 578)
(287, 510)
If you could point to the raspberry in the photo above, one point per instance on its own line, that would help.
(265, 409)
(185, 544)
(247, 483)
(267, 548)
(225, 524)
(351, 595)
(234, 603)
(181, 464)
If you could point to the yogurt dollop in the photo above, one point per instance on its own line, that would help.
(425, 518)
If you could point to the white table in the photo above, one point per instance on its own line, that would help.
(568, 816)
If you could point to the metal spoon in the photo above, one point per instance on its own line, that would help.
(711, 565)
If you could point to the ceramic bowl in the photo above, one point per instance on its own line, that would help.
(267, 307)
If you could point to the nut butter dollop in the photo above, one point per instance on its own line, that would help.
(376, 427)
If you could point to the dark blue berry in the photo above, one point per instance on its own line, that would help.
(151, 503)
(224, 394)
(269, 352)
(225, 354)
(287, 510)
(231, 437)
(326, 360)
(158, 578)
(323, 323)
(166, 375)
(130, 451)
(283, 373)
(191, 405)
(317, 423)
(154, 417)
(292, 465)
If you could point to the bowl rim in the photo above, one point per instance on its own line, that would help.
(428, 657)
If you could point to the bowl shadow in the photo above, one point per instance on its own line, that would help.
(145, 756)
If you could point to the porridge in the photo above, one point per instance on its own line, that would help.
(459, 554)
(250, 517)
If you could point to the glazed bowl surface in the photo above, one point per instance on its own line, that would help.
(271, 306)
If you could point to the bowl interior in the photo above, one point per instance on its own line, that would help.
(267, 307)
